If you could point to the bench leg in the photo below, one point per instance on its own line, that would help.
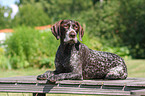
(39, 94)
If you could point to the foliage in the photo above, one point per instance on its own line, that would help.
(102, 22)
(29, 47)
(111, 25)
(5, 21)
(35, 16)
(61, 9)
(119, 23)
(132, 20)
(4, 60)
(95, 44)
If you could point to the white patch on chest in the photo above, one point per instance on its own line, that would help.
(74, 57)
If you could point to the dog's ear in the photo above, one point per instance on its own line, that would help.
(81, 31)
(56, 29)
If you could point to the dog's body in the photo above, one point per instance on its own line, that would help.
(75, 60)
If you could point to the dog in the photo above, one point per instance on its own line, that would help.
(75, 61)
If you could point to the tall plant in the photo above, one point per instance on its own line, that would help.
(30, 47)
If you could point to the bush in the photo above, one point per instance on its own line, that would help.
(95, 44)
(118, 23)
(4, 60)
(30, 47)
(132, 20)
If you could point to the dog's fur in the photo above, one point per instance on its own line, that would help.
(75, 60)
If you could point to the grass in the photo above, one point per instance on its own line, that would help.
(21, 72)
(135, 69)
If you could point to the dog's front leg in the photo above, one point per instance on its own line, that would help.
(65, 76)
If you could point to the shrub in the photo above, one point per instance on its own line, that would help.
(118, 23)
(4, 60)
(132, 20)
(95, 44)
(30, 47)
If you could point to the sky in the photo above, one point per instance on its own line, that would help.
(8, 2)
(11, 4)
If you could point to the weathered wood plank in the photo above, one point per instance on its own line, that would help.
(138, 92)
(70, 90)
(32, 79)
(107, 87)
(25, 79)
(104, 82)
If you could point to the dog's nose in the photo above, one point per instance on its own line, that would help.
(72, 34)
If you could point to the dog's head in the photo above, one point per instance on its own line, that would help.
(67, 31)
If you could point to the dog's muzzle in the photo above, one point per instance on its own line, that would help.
(70, 36)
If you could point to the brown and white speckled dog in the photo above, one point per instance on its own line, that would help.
(75, 60)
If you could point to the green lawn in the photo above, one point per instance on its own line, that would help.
(136, 68)
(22, 72)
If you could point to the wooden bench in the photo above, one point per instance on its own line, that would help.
(29, 84)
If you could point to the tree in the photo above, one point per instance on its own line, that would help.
(116, 23)
(31, 15)
(5, 21)
(61, 9)
(119, 23)
(132, 19)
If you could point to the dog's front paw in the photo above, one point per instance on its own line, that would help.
(42, 77)
(52, 79)
(45, 76)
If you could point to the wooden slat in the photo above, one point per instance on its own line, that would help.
(25, 79)
(138, 92)
(56, 89)
(97, 82)
(107, 87)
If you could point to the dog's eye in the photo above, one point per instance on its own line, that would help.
(75, 26)
(66, 26)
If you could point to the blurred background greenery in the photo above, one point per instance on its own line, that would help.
(116, 26)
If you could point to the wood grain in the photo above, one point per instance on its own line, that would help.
(29, 84)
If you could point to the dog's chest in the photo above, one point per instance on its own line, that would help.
(72, 60)
(75, 58)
